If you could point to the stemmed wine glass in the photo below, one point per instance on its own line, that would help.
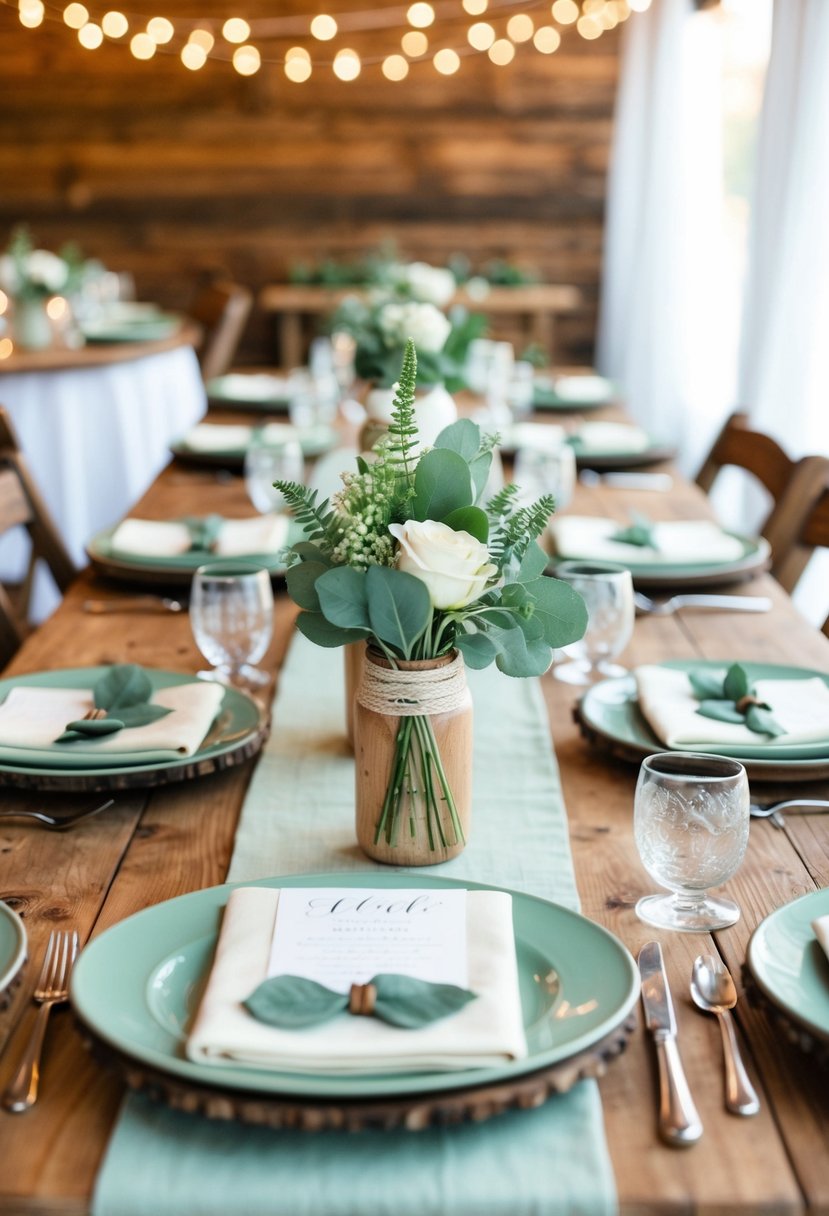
(690, 823)
(231, 614)
(267, 463)
(547, 470)
(607, 589)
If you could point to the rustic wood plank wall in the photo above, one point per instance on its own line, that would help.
(177, 175)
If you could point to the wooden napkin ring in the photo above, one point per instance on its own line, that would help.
(744, 703)
(93, 715)
(361, 999)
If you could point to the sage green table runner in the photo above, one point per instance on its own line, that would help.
(298, 817)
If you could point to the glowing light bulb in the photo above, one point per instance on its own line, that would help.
(235, 29)
(420, 15)
(591, 7)
(481, 36)
(347, 64)
(297, 52)
(447, 61)
(160, 30)
(6, 347)
(203, 39)
(414, 44)
(475, 7)
(75, 15)
(324, 27)
(90, 36)
(297, 69)
(501, 52)
(247, 60)
(520, 28)
(31, 15)
(142, 46)
(57, 307)
(565, 12)
(546, 39)
(114, 24)
(395, 67)
(193, 56)
(639, 6)
(4, 302)
(589, 27)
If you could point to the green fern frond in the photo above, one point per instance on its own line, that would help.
(502, 503)
(515, 528)
(402, 433)
(319, 522)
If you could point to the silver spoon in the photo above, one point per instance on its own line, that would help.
(713, 991)
(805, 806)
(136, 603)
(730, 603)
(58, 822)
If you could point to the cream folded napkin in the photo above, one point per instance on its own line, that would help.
(535, 435)
(583, 388)
(821, 928)
(254, 387)
(611, 437)
(486, 1032)
(213, 437)
(801, 707)
(678, 542)
(235, 538)
(33, 718)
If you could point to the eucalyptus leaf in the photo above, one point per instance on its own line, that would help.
(204, 531)
(140, 715)
(721, 711)
(706, 684)
(409, 1003)
(301, 581)
(463, 437)
(759, 718)
(442, 485)
(735, 685)
(479, 469)
(343, 597)
(399, 607)
(89, 728)
(309, 552)
(321, 632)
(560, 610)
(291, 1002)
(122, 685)
(533, 564)
(478, 649)
(473, 520)
(639, 533)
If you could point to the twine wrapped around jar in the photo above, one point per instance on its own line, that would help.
(413, 746)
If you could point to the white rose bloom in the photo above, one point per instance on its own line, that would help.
(454, 565)
(41, 266)
(431, 284)
(423, 323)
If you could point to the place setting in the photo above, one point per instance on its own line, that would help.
(602, 446)
(227, 444)
(566, 393)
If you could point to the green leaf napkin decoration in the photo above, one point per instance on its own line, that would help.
(733, 699)
(204, 532)
(124, 692)
(639, 533)
(293, 1003)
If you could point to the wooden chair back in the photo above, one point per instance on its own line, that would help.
(21, 505)
(222, 310)
(808, 504)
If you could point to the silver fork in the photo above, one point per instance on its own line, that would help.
(52, 989)
(59, 822)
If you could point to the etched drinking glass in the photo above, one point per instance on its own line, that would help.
(266, 463)
(607, 590)
(231, 613)
(690, 823)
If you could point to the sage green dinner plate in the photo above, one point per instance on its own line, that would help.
(314, 441)
(754, 557)
(546, 398)
(788, 964)
(179, 569)
(138, 986)
(608, 459)
(238, 721)
(611, 709)
(152, 328)
(252, 391)
(12, 946)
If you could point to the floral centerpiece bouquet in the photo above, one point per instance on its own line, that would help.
(406, 558)
(27, 273)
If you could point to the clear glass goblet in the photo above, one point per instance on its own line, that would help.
(267, 463)
(546, 470)
(607, 590)
(231, 614)
(690, 823)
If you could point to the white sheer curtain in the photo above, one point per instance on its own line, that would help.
(660, 337)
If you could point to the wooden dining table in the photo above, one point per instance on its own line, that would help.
(155, 844)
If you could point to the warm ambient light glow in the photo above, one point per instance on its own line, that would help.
(142, 46)
(297, 69)
(90, 36)
(75, 15)
(56, 308)
(4, 302)
(420, 15)
(236, 29)
(347, 64)
(160, 30)
(114, 24)
(546, 39)
(501, 52)
(297, 52)
(447, 61)
(639, 6)
(247, 60)
(565, 12)
(31, 15)
(481, 36)
(203, 39)
(414, 44)
(193, 56)
(589, 27)
(324, 27)
(6, 347)
(475, 7)
(520, 27)
(395, 67)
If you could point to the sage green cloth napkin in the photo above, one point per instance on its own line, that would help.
(298, 817)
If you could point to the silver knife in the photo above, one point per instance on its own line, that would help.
(679, 1123)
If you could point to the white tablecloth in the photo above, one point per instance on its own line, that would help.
(95, 438)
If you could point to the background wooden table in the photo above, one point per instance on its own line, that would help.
(154, 845)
